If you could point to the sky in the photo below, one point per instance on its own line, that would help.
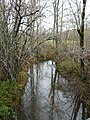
(48, 20)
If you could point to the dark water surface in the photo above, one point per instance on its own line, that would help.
(48, 96)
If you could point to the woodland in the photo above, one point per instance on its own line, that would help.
(35, 31)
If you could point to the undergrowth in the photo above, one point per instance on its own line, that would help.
(68, 66)
(10, 96)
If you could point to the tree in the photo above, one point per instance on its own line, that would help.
(81, 34)
(56, 15)
(80, 22)
(14, 15)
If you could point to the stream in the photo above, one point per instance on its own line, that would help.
(48, 96)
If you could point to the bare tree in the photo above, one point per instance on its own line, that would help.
(81, 33)
(80, 22)
(56, 16)
(13, 20)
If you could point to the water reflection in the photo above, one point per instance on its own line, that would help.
(48, 96)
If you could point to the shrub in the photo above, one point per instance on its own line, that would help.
(8, 99)
(22, 76)
(2, 75)
(68, 66)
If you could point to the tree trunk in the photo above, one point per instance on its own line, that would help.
(81, 34)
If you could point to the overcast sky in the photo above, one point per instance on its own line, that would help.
(48, 21)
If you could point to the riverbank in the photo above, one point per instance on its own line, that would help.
(10, 95)
(70, 69)
(10, 90)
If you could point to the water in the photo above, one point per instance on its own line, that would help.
(47, 95)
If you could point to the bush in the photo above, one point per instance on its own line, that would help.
(68, 66)
(2, 75)
(4, 112)
(8, 99)
(22, 76)
(22, 79)
(9, 96)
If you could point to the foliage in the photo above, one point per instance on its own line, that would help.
(21, 79)
(46, 51)
(22, 75)
(9, 95)
(8, 99)
(68, 66)
(4, 112)
(71, 70)
(2, 74)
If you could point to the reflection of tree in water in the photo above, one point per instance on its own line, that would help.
(34, 83)
(64, 86)
(33, 96)
(55, 99)
(52, 95)
(55, 112)
(77, 104)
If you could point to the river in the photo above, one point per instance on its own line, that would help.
(48, 96)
